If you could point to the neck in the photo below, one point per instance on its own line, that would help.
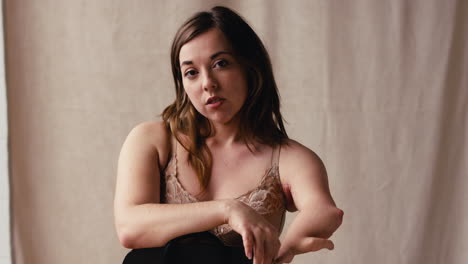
(224, 134)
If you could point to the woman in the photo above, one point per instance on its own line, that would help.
(200, 169)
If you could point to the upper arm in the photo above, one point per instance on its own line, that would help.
(138, 170)
(306, 176)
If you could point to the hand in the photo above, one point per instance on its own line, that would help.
(307, 244)
(260, 238)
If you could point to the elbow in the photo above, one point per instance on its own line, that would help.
(126, 234)
(336, 219)
(339, 217)
(126, 238)
(132, 238)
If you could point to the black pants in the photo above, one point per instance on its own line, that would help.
(196, 248)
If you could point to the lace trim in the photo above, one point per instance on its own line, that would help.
(267, 198)
(254, 198)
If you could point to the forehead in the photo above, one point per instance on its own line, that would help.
(204, 45)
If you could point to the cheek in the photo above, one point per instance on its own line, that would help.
(195, 98)
(191, 93)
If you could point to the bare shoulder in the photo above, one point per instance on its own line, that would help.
(295, 156)
(155, 134)
(141, 158)
(293, 147)
(304, 175)
(152, 130)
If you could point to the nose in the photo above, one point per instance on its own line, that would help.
(209, 81)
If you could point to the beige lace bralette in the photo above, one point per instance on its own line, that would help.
(267, 198)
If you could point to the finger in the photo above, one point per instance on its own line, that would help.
(281, 251)
(258, 249)
(278, 259)
(268, 254)
(283, 258)
(315, 244)
(271, 244)
(271, 249)
(248, 245)
(324, 243)
(329, 245)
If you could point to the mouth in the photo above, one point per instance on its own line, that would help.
(214, 99)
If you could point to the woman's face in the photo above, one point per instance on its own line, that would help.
(213, 79)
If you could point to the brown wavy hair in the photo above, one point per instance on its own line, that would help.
(260, 117)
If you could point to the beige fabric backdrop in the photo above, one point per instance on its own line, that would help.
(377, 88)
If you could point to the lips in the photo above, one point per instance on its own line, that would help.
(214, 99)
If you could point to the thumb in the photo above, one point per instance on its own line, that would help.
(284, 257)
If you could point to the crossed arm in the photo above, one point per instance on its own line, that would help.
(318, 217)
(141, 221)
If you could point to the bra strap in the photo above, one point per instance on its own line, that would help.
(174, 153)
(275, 155)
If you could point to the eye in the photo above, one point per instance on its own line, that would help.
(221, 63)
(190, 74)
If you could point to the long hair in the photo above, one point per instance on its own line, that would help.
(260, 116)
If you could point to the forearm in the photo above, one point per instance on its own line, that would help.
(314, 223)
(153, 225)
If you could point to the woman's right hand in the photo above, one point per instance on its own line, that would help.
(260, 237)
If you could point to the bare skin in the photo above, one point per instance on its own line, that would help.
(141, 221)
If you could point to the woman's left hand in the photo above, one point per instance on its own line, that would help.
(287, 252)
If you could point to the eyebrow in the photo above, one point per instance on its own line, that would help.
(211, 57)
